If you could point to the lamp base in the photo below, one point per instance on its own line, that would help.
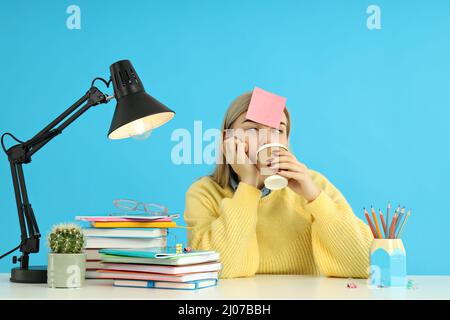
(34, 274)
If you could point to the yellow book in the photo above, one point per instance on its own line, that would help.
(132, 224)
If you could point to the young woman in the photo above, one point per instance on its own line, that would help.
(306, 228)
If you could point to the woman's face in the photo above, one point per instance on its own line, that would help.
(256, 134)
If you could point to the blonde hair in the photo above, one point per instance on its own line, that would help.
(223, 171)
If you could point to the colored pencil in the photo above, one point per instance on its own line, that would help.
(370, 223)
(375, 220)
(403, 224)
(399, 218)
(383, 223)
(387, 218)
(394, 220)
(397, 212)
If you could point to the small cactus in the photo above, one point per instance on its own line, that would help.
(66, 238)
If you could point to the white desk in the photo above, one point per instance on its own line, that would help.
(258, 287)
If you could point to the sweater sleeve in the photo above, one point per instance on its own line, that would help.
(228, 227)
(340, 240)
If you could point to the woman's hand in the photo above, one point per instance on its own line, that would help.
(297, 174)
(235, 152)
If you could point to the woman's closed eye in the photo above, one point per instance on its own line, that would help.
(251, 130)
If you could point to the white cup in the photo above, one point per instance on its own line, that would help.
(273, 181)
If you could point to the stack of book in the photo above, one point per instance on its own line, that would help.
(160, 268)
(122, 232)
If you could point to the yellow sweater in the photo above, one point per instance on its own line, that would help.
(280, 233)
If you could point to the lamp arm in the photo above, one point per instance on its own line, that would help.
(93, 97)
(21, 153)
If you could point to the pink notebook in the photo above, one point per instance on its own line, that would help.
(172, 270)
(109, 274)
(122, 218)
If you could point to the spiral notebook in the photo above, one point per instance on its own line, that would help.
(162, 253)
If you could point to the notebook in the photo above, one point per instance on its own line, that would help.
(118, 243)
(94, 265)
(92, 254)
(125, 232)
(155, 253)
(133, 224)
(177, 261)
(195, 268)
(119, 218)
(113, 274)
(92, 274)
(190, 285)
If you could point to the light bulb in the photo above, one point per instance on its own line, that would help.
(141, 130)
(139, 127)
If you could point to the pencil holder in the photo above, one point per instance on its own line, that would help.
(388, 263)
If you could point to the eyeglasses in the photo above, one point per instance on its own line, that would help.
(149, 209)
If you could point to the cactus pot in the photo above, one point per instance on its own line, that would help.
(66, 270)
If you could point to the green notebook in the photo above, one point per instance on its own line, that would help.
(156, 253)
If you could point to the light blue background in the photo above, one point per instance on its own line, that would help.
(370, 108)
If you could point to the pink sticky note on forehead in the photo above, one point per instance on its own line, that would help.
(266, 108)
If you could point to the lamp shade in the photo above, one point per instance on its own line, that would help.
(136, 111)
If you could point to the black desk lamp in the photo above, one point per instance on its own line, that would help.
(136, 112)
